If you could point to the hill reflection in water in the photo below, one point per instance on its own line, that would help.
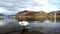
(12, 26)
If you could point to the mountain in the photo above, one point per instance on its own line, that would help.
(38, 15)
(2, 15)
(57, 12)
(28, 15)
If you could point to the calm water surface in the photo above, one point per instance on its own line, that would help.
(47, 26)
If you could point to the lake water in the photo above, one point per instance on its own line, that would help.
(8, 25)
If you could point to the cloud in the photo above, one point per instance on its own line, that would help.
(36, 5)
(55, 2)
(5, 11)
(43, 5)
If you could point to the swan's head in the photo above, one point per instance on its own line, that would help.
(23, 23)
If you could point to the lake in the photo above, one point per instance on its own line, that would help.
(10, 25)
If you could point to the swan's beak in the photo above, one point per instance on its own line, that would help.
(24, 23)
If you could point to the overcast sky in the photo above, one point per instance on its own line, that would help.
(13, 6)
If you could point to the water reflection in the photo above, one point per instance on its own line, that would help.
(34, 27)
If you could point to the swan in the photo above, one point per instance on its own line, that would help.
(23, 23)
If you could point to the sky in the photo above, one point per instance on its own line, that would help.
(14, 6)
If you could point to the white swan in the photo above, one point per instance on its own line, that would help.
(24, 23)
